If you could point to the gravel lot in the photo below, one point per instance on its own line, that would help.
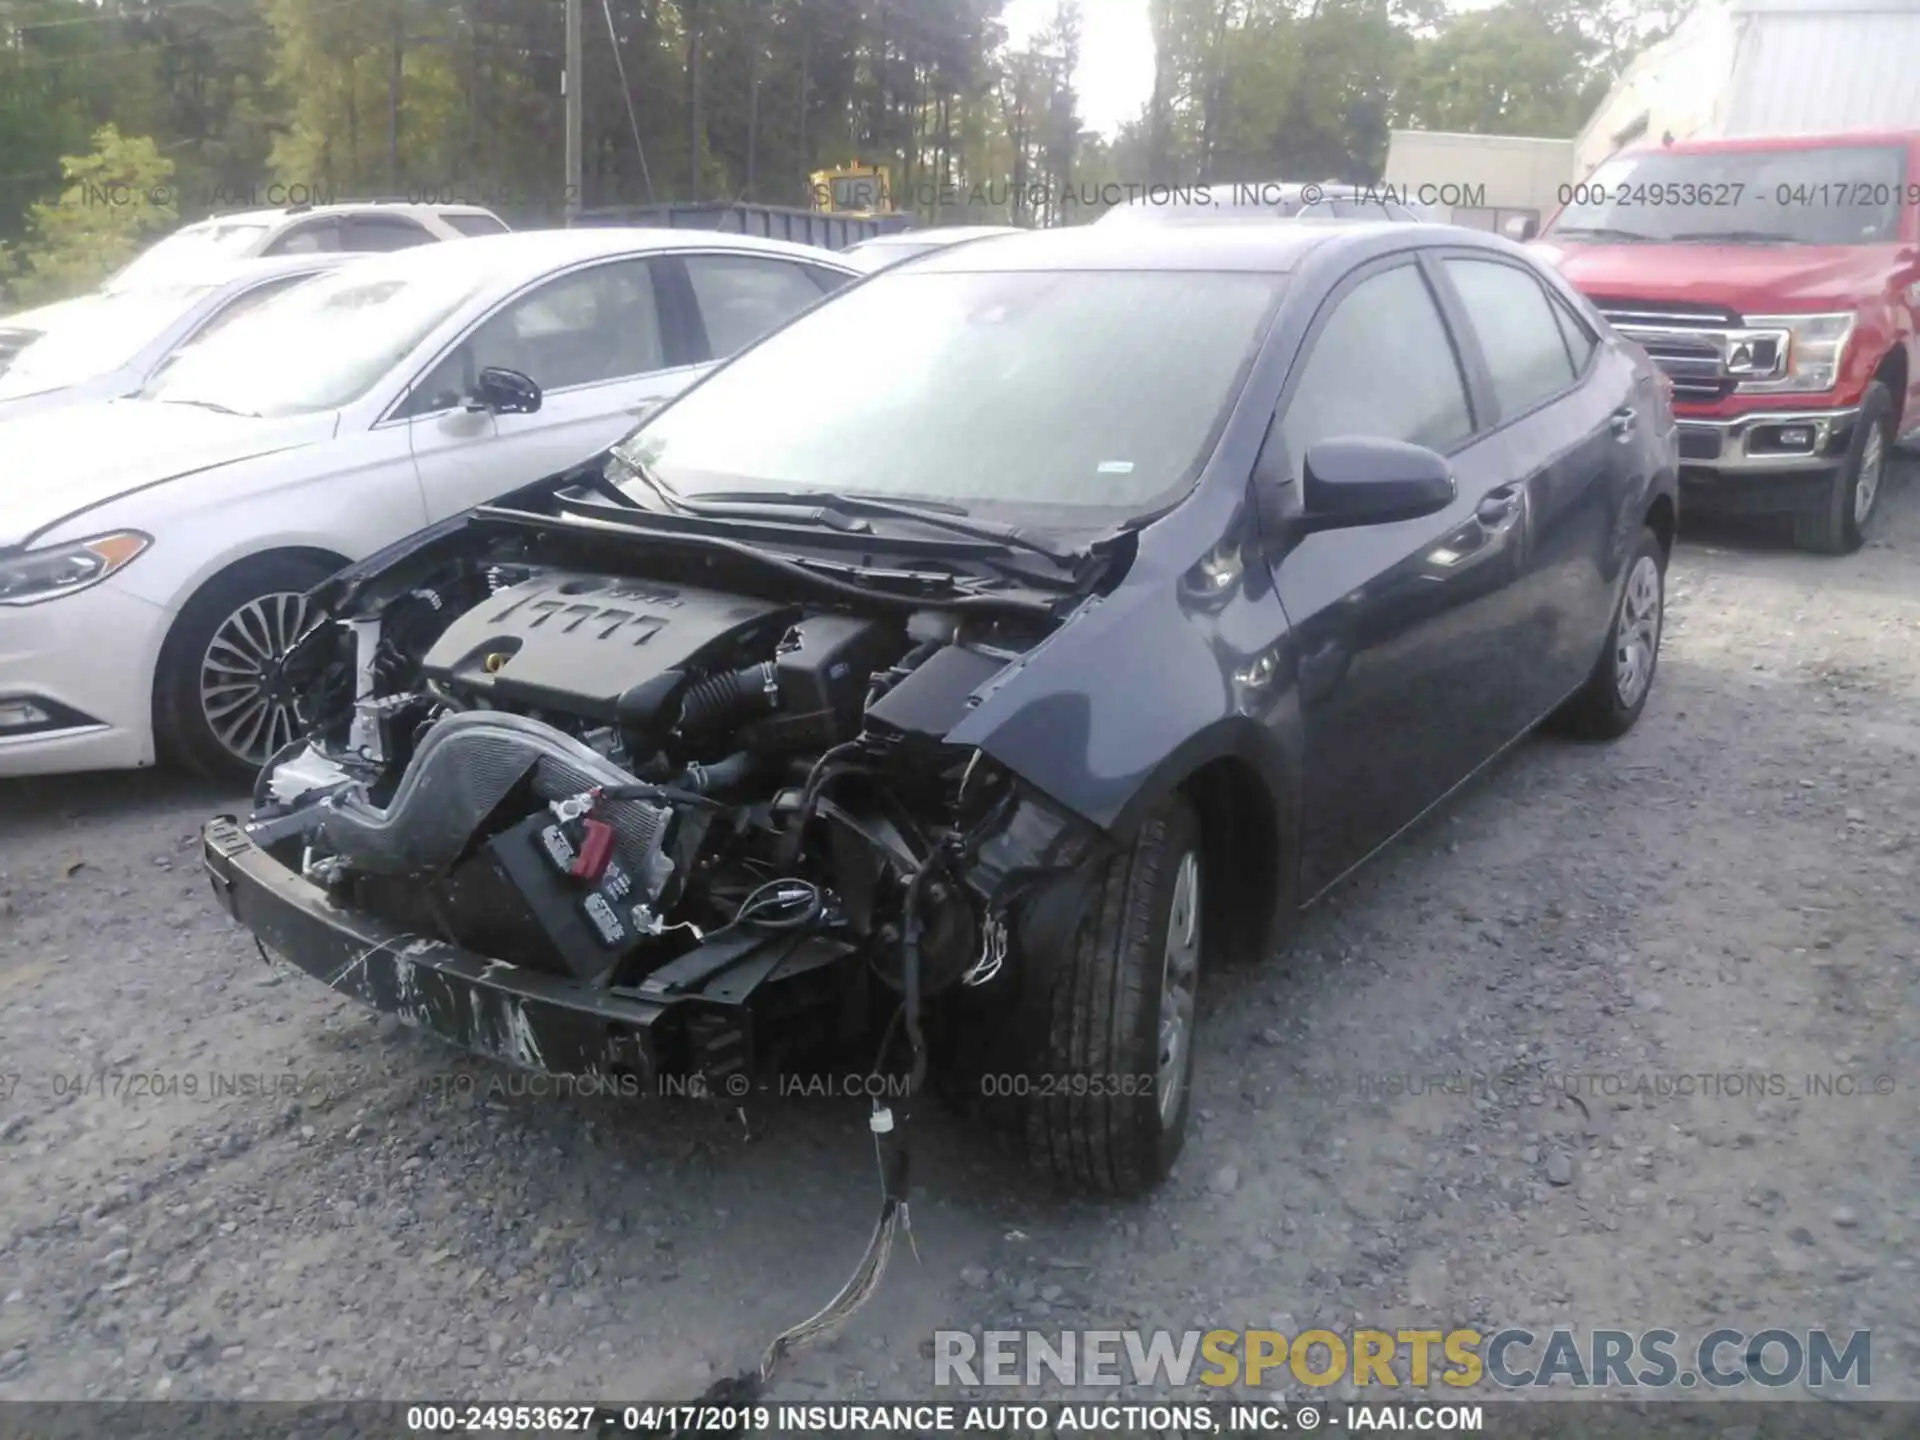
(1729, 889)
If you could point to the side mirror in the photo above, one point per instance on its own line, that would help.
(1356, 481)
(1529, 229)
(506, 392)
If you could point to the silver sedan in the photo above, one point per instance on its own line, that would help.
(109, 344)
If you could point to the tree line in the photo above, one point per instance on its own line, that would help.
(121, 118)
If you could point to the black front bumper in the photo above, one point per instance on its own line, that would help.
(1748, 492)
(1729, 466)
(692, 1016)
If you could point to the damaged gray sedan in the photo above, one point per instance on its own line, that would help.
(964, 698)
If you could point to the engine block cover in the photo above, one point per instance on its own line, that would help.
(577, 642)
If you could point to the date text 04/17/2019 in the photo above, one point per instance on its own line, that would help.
(828, 1418)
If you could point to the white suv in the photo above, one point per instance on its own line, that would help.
(303, 230)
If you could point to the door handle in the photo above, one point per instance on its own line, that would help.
(1621, 422)
(1498, 508)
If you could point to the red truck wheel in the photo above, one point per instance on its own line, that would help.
(1840, 525)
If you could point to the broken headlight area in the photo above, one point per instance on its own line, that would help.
(589, 822)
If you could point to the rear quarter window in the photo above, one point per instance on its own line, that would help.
(469, 224)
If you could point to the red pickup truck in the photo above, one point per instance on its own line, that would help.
(1777, 283)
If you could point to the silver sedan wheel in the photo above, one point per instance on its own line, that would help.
(244, 694)
(1873, 464)
(1637, 641)
(1179, 981)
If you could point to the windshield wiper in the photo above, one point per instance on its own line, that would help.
(842, 512)
(1740, 237)
(595, 478)
(951, 518)
(1597, 232)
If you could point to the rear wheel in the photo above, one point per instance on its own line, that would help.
(1845, 517)
(223, 704)
(1110, 1092)
(1607, 706)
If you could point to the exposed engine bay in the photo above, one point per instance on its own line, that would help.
(738, 807)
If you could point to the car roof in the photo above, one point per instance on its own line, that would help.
(1206, 244)
(502, 263)
(659, 238)
(1251, 198)
(243, 271)
(939, 234)
(274, 215)
(1234, 194)
(265, 267)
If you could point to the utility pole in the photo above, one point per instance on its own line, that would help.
(393, 102)
(570, 88)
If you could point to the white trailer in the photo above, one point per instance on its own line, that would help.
(1765, 67)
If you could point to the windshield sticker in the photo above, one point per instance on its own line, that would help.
(1116, 467)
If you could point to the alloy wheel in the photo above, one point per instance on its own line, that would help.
(1637, 639)
(244, 693)
(1866, 489)
(1179, 982)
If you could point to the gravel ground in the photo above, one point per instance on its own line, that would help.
(361, 1213)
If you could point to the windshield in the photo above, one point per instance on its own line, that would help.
(189, 250)
(322, 344)
(1832, 195)
(1094, 394)
(95, 336)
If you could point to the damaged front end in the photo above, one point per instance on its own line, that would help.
(606, 804)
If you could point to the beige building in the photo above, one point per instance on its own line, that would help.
(1490, 182)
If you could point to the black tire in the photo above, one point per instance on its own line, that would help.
(1845, 517)
(185, 733)
(1607, 706)
(1093, 1116)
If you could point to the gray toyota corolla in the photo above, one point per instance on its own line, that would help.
(973, 665)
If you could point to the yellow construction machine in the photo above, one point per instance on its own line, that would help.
(853, 190)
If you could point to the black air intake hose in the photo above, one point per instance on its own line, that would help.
(724, 774)
(729, 698)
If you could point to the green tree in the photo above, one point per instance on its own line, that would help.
(115, 199)
(1527, 67)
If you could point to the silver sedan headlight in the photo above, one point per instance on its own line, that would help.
(36, 575)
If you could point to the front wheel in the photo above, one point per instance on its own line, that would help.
(222, 701)
(1844, 519)
(1607, 706)
(1109, 1095)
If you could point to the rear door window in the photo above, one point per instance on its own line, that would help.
(470, 224)
(384, 232)
(743, 297)
(1580, 340)
(308, 238)
(1519, 333)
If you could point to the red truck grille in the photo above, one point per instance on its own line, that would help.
(1691, 343)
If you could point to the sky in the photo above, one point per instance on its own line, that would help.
(1116, 63)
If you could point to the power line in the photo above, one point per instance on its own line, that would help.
(626, 94)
